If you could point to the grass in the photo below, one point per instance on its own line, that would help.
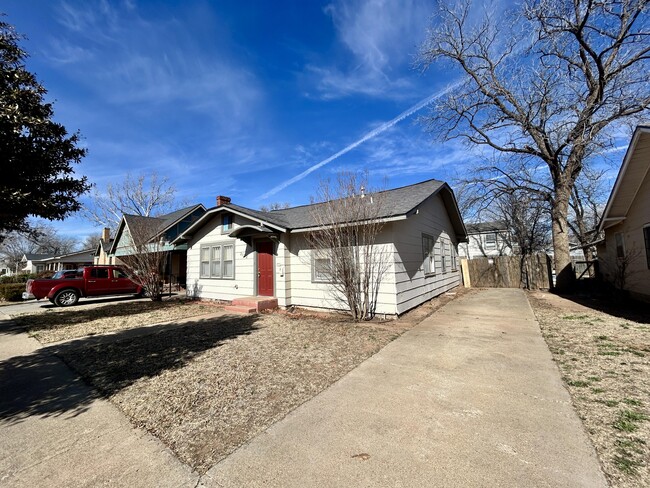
(57, 324)
(605, 365)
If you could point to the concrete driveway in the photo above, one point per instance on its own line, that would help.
(469, 397)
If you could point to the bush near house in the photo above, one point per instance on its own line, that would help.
(12, 292)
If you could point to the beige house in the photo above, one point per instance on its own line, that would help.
(624, 254)
(102, 251)
(234, 252)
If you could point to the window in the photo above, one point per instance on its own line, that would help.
(428, 254)
(118, 273)
(218, 261)
(321, 267)
(454, 258)
(100, 273)
(620, 245)
(227, 222)
(646, 237)
(491, 240)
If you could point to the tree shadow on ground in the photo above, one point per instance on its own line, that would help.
(41, 384)
(78, 314)
(613, 304)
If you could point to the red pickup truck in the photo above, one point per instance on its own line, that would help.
(65, 287)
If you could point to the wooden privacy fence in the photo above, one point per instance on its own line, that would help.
(532, 272)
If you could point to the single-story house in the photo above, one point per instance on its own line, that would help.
(487, 239)
(34, 263)
(624, 253)
(162, 230)
(37, 263)
(237, 252)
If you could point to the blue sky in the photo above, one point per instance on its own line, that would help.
(239, 98)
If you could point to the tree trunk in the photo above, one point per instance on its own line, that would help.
(564, 274)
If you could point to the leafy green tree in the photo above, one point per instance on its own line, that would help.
(37, 153)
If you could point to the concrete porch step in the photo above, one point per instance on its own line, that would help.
(240, 309)
(256, 303)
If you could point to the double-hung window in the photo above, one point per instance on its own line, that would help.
(428, 254)
(218, 261)
(491, 240)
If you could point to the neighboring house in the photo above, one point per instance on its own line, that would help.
(37, 263)
(236, 252)
(487, 239)
(34, 263)
(163, 230)
(103, 248)
(624, 254)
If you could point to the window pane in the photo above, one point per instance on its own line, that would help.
(321, 269)
(216, 253)
(227, 253)
(205, 268)
(205, 254)
(228, 262)
(228, 269)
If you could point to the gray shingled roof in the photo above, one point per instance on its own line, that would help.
(480, 227)
(398, 201)
(37, 257)
(393, 203)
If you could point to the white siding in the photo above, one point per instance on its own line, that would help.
(305, 293)
(412, 286)
(476, 247)
(243, 285)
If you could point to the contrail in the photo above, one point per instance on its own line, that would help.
(375, 132)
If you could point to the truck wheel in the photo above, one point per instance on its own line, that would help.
(66, 298)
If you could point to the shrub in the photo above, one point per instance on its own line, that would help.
(12, 292)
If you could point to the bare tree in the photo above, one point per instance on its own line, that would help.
(346, 249)
(588, 200)
(540, 86)
(146, 256)
(274, 206)
(90, 241)
(42, 239)
(143, 195)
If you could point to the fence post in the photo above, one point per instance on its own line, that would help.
(465, 271)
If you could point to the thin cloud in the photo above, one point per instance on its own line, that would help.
(370, 135)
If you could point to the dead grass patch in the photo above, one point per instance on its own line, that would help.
(205, 388)
(605, 363)
(59, 324)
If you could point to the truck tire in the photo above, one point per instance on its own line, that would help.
(66, 298)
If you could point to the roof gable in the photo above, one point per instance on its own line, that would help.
(634, 170)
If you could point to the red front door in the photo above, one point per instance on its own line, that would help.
(265, 269)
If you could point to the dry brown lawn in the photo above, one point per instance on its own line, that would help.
(205, 388)
(59, 324)
(605, 362)
(208, 384)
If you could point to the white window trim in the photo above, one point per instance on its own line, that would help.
(222, 246)
(491, 244)
(321, 255)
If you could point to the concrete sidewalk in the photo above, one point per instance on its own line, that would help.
(55, 431)
(470, 397)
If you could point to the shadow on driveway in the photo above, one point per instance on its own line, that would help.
(41, 384)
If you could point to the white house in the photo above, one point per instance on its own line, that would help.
(487, 239)
(235, 252)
